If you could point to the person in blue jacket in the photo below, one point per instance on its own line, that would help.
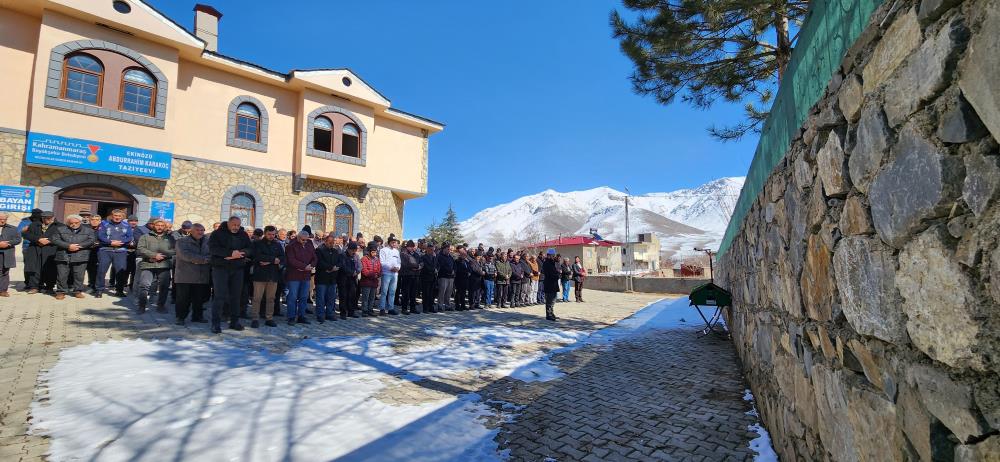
(114, 237)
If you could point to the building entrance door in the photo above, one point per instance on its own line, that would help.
(97, 199)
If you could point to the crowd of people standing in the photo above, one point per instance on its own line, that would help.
(252, 273)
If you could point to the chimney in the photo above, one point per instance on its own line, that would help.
(206, 25)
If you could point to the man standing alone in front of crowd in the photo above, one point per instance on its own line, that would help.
(230, 248)
(114, 237)
(388, 256)
(156, 251)
(551, 273)
(10, 237)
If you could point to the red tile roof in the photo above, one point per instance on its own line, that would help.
(576, 240)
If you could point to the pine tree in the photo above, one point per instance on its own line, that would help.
(448, 231)
(703, 50)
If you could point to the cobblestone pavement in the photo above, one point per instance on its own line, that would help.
(34, 328)
(668, 395)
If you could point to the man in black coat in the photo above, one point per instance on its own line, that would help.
(428, 278)
(461, 279)
(39, 257)
(268, 256)
(327, 261)
(550, 268)
(73, 242)
(446, 277)
(230, 247)
(475, 280)
(409, 275)
(10, 237)
(347, 282)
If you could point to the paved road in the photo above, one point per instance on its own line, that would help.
(613, 403)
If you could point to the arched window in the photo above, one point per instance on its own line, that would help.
(343, 220)
(83, 77)
(352, 141)
(316, 216)
(243, 206)
(248, 122)
(323, 134)
(138, 92)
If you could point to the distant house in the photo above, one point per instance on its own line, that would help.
(646, 253)
(687, 270)
(598, 256)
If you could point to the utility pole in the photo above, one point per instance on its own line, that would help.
(711, 265)
(628, 247)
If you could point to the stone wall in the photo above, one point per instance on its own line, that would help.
(865, 310)
(197, 188)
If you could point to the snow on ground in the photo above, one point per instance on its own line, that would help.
(209, 400)
(762, 443)
(206, 400)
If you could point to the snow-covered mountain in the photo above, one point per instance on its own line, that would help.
(682, 219)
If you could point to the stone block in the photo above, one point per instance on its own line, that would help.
(872, 141)
(817, 282)
(978, 70)
(865, 270)
(899, 205)
(982, 180)
(942, 311)
(854, 218)
(803, 173)
(902, 37)
(850, 97)
(916, 422)
(832, 167)
(817, 207)
(829, 350)
(950, 401)
(868, 365)
(931, 10)
(959, 123)
(923, 75)
(987, 450)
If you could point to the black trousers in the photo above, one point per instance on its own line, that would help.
(191, 299)
(228, 286)
(514, 293)
(408, 292)
(550, 303)
(461, 292)
(70, 276)
(578, 285)
(347, 292)
(500, 295)
(475, 291)
(129, 270)
(429, 287)
(91, 270)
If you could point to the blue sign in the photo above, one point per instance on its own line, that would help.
(96, 156)
(162, 209)
(17, 198)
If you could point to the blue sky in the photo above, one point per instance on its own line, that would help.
(535, 95)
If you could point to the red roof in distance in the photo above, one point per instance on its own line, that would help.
(576, 240)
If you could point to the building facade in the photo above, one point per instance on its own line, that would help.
(646, 252)
(110, 104)
(597, 256)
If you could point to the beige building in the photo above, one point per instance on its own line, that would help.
(109, 103)
(646, 253)
(597, 256)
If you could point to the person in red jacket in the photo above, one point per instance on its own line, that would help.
(371, 272)
(300, 259)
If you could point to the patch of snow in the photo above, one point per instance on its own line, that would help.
(207, 400)
(761, 445)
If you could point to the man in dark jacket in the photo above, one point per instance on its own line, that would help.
(268, 257)
(230, 248)
(115, 237)
(446, 277)
(325, 280)
(347, 282)
(550, 268)
(192, 275)
(516, 277)
(10, 237)
(461, 279)
(73, 241)
(428, 278)
(39, 258)
(475, 281)
(409, 275)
